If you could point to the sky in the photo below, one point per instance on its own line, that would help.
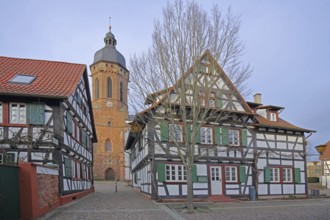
(287, 43)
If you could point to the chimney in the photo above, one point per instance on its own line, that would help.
(257, 98)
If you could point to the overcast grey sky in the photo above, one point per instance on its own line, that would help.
(287, 43)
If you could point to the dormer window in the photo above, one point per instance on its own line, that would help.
(272, 116)
(22, 79)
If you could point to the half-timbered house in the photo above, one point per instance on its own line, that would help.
(248, 146)
(46, 118)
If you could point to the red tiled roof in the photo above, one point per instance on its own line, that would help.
(326, 154)
(280, 123)
(53, 79)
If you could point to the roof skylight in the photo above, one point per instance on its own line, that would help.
(21, 78)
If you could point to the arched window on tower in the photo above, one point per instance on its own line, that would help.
(109, 87)
(108, 145)
(121, 98)
(97, 89)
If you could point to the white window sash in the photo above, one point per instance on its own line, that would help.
(206, 135)
(1, 114)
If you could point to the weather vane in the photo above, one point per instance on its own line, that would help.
(110, 23)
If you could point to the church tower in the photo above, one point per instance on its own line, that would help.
(110, 85)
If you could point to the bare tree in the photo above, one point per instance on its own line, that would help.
(180, 81)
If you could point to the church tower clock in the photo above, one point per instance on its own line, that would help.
(110, 85)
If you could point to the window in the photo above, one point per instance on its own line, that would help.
(21, 78)
(233, 137)
(109, 87)
(17, 113)
(207, 99)
(287, 175)
(231, 174)
(108, 145)
(121, 92)
(272, 116)
(175, 172)
(68, 167)
(274, 175)
(1, 120)
(175, 133)
(1, 158)
(206, 135)
(97, 89)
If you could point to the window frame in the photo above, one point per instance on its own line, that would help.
(175, 173)
(108, 145)
(1, 158)
(109, 87)
(285, 176)
(231, 137)
(272, 116)
(207, 135)
(233, 176)
(275, 177)
(174, 128)
(19, 115)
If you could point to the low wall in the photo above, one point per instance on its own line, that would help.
(39, 192)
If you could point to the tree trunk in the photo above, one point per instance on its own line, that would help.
(190, 192)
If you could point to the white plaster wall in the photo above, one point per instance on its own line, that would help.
(262, 163)
(262, 144)
(161, 191)
(281, 145)
(275, 189)
(299, 164)
(287, 162)
(280, 137)
(201, 169)
(299, 147)
(262, 189)
(288, 188)
(232, 192)
(300, 188)
(173, 190)
(232, 186)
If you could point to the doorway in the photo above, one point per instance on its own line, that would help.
(215, 180)
(109, 174)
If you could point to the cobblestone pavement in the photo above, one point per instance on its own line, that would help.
(127, 204)
(309, 209)
(105, 203)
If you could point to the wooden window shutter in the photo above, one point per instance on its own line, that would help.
(242, 174)
(163, 131)
(68, 167)
(244, 137)
(83, 137)
(161, 172)
(188, 133)
(297, 178)
(36, 114)
(69, 122)
(194, 173)
(267, 174)
(218, 101)
(224, 136)
(217, 135)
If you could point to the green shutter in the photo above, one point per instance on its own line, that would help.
(188, 133)
(242, 174)
(267, 175)
(194, 173)
(224, 136)
(69, 122)
(244, 137)
(217, 135)
(68, 167)
(218, 101)
(83, 137)
(163, 131)
(161, 172)
(297, 178)
(198, 137)
(36, 114)
(202, 68)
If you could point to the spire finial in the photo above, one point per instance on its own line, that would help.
(109, 23)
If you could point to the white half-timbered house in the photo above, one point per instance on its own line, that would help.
(248, 146)
(46, 118)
